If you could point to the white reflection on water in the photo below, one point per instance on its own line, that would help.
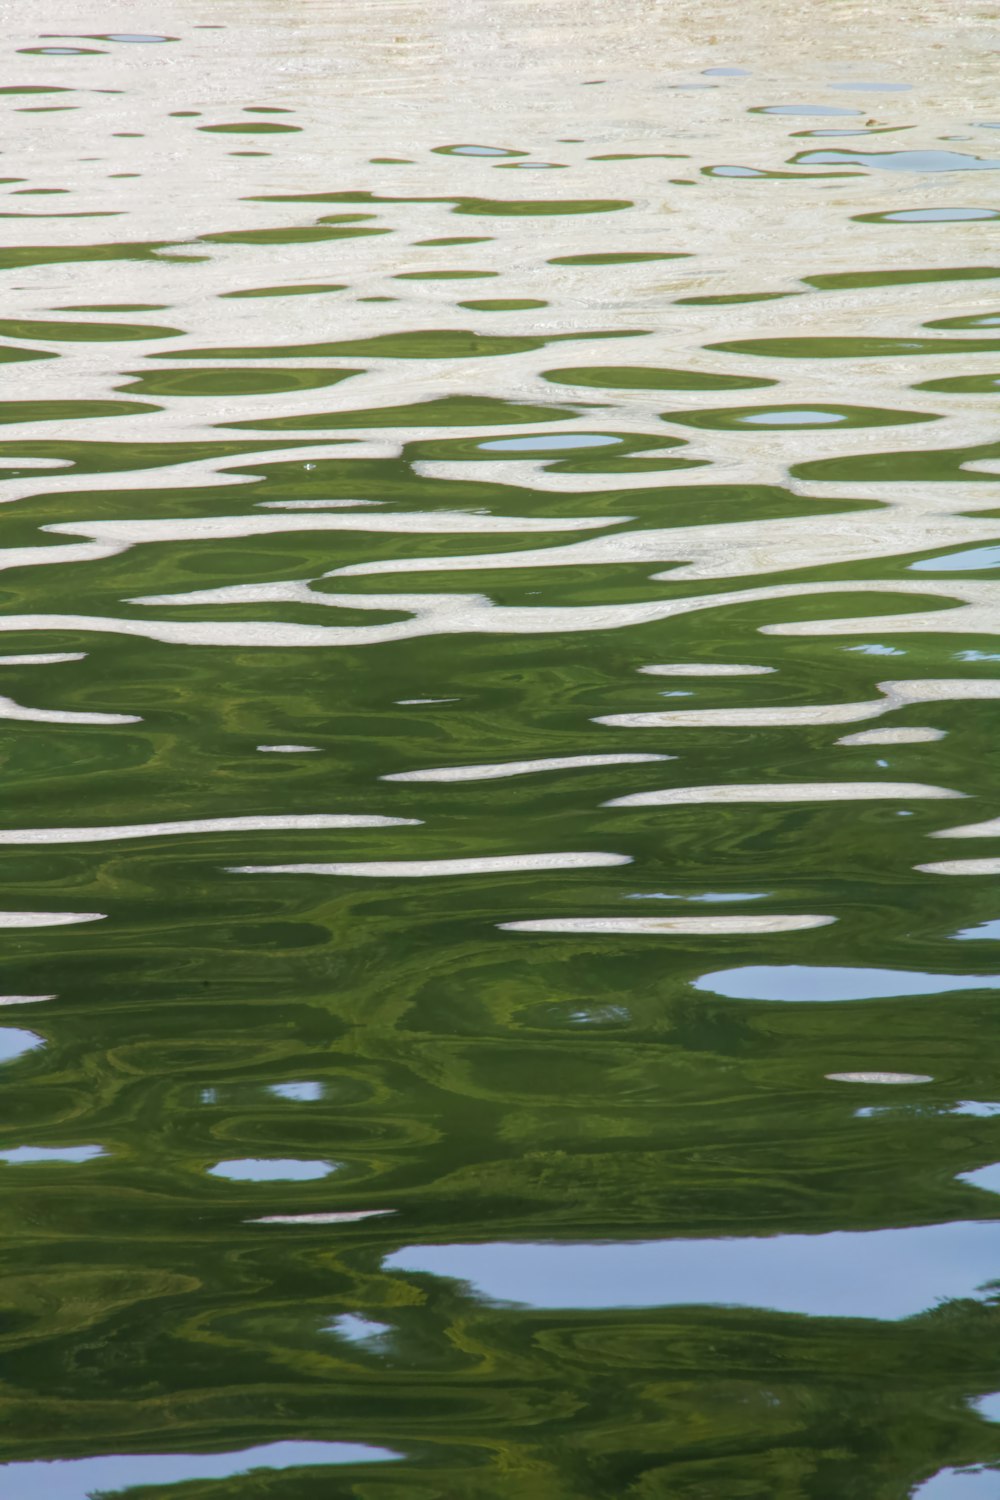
(961, 867)
(654, 926)
(282, 822)
(704, 669)
(495, 864)
(11, 710)
(346, 1216)
(520, 767)
(48, 918)
(895, 695)
(892, 737)
(984, 830)
(889, 1078)
(819, 791)
(41, 658)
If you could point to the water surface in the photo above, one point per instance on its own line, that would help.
(498, 716)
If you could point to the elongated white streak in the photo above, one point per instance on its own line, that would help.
(277, 823)
(24, 999)
(128, 533)
(704, 669)
(349, 1217)
(895, 695)
(496, 770)
(316, 504)
(447, 614)
(961, 867)
(891, 737)
(48, 918)
(416, 869)
(41, 658)
(11, 710)
(790, 791)
(879, 1077)
(986, 830)
(658, 926)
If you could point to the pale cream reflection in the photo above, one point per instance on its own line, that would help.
(892, 737)
(653, 926)
(807, 791)
(264, 824)
(418, 869)
(961, 867)
(17, 711)
(501, 769)
(48, 918)
(895, 695)
(349, 1216)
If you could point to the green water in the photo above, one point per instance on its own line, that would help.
(499, 863)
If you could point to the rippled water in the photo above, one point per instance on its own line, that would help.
(502, 532)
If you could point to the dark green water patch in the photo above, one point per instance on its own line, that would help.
(289, 291)
(250, 127)
(113, 307)
(775, 418)
(96, 213)
(643, 378)
(15, 257)
(110, 458)
(69, 411)
(445, 411)
(617, 257)
(495, 207)
(431, 343)
(89, 333)
(640, 156)
(837, 281)
(228, 381)
(967, 320)
(732, 299)
(943, 465)
(862, 346)
(305, 234)
(964, 385)
(10, 354)
(503, 304)
(442, 275)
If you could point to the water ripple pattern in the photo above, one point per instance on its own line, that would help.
(498, 699)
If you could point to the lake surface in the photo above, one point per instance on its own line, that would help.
(500, 645)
